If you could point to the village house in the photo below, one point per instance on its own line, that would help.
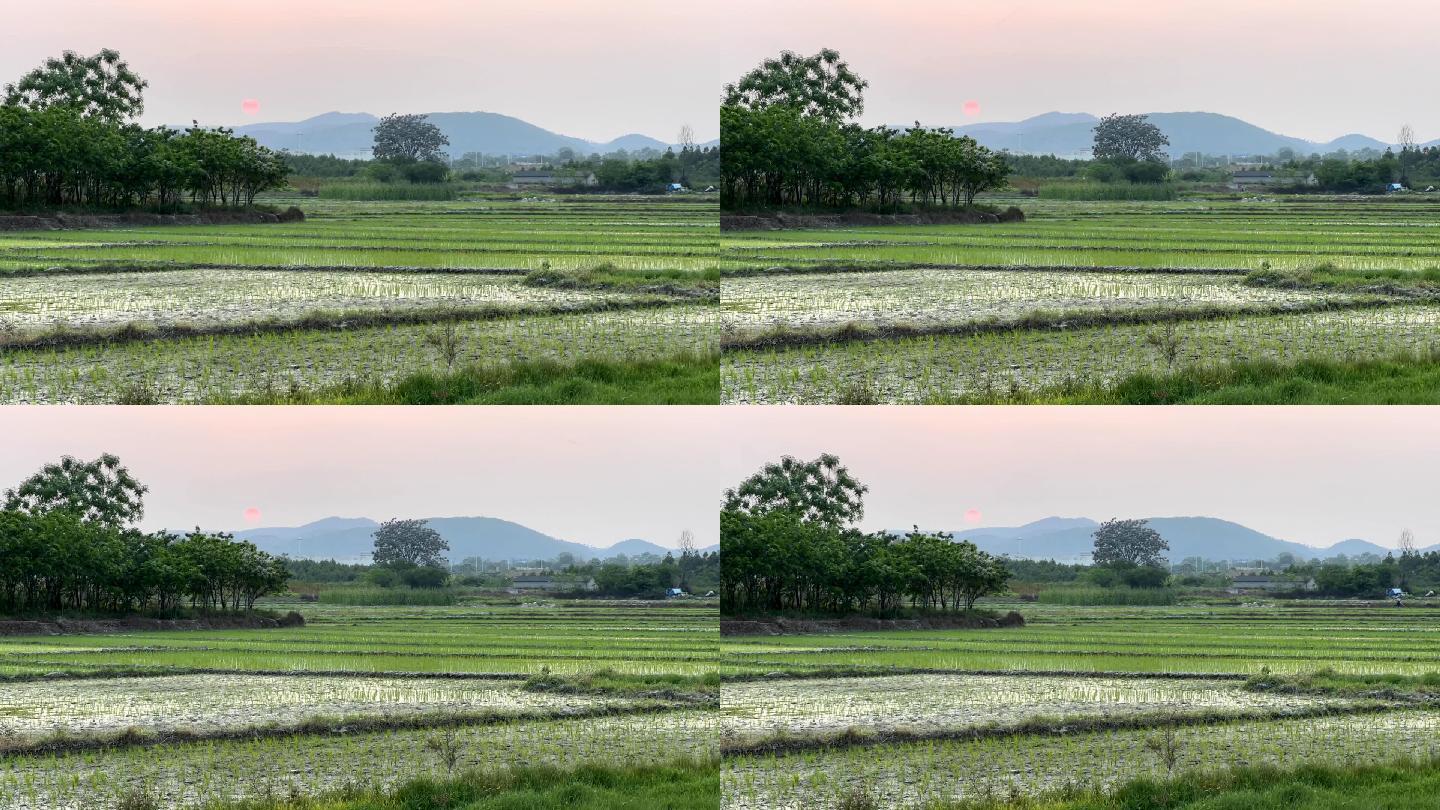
(1263, 583)
(543, 583)
(546, 177)
(1258, 178)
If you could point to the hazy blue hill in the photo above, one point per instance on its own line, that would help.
(633, 142)
(349, 135)
(1355, 548)
(1211, 538)
(1355, 142)
(634, 548)
(491, 538)
(1211, 133)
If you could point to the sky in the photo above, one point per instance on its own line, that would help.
(1314, 69)
(590, 475)
(585, 69)
(1310, 475)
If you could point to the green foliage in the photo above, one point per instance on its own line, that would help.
(56, 157)
(409, 543)
(1109, 595)
(777, 156)
(1108, 191)
(407, 139)
(101, 491)
(820, 491)
(324, 570)
(681, 380)
(100, 86)
(380, 596)
(1128, 543)
(379, 191)
(820, 86)
(776, 560)
(53, 561)
(1129, 139)
(682, 784)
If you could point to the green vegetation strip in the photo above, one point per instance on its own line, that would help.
(63, 741)
(785, 742)
(1404, 378)
(690, 784)
(64, 337)
(1405, 784)
(787, 337)
(685, 379)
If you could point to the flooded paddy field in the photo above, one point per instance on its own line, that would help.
(1079, 294)
(1076, 699)
(360, 293)
(357, 696)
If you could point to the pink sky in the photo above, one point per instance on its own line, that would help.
(592, 475)
(1311, 475)
(1314, 69)
(590, 70)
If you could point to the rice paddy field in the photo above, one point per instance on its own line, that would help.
(351, 295)
(1081, 294)
(1078, 699)
(358, 697)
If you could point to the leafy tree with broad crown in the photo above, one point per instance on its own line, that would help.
(822, 86)
(1128, 543)
(100, 491)
(820, 491)
(408, 139)
(100, 86)
(1127, 139)
(408, 542)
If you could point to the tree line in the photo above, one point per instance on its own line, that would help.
(66, 139)
(788, 143)
(67, 543)
(788, 546)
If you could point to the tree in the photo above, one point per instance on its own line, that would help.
(100, 491)
(822, 86)
(100, 86)
(408, 542)
(820, 491)
(1128, 139)
(1128, 543)
(1408, 152)
(407, 139)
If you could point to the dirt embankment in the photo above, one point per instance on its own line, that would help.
(780, 626)
(57, 627)
(779, 220)
(60, 222)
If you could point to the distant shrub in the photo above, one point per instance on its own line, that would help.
(425, 577)
(389, 596)
(426, 171)
(1081, 595)
(1108, 191)
(387, 191)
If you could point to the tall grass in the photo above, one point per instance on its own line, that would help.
(1090, 595)
(387, 191)
(1108, 191)
(389, 596)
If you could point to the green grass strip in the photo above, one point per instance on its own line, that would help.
(684, 379)
(679, 785)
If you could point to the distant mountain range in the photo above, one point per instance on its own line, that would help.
(1070, 540)
(349, 540)
(1070, 135)
(349, 135)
